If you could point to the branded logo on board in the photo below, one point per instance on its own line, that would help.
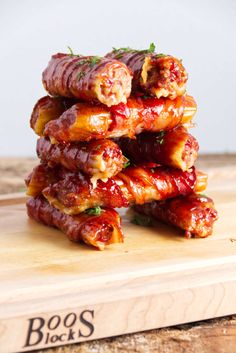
(59, 328)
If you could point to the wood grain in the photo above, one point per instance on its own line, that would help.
(174, 281)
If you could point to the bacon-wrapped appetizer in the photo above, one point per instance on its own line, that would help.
(46, 109)
(97, 227)
(88, 78)
(100, 159)
(175, 148)
(156, 74)
(84, 122)
(74, 192)
(194, 213)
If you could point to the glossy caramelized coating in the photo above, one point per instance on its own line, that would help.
(99, 159)
(46, 109)
(194, 213)
(40, 178)
(74, 192)
(175, 148)
(156, 74)
(88, 78)
(84, 122)
(202, 179)
(96, 230)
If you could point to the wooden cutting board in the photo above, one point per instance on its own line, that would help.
(54, 292)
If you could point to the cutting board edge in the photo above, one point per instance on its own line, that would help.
(130, 315)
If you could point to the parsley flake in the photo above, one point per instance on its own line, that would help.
(126, 163)
(91, 61)
(142, 220)
(203, 195)
(81, 62)
(151, 48)
(160, 55)
(160, 137)
(121, 49)
(71, 53)
(94, 60)
(80, 75)
(95, 211)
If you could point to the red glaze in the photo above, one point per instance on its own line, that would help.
(83, 122)
(88, 78)
(97, 230)
(194, 213)
(160, 75)
(74, 192)
(175, 148)
(97, 158)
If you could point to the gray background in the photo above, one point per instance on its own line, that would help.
(201, 32)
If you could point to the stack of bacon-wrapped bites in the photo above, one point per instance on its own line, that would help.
(113, 133)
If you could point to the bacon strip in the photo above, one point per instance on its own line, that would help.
(157, 74)
(98, 230)
(99, 159)
(88, 78)
(74, 192)
(175, 148)
(84, 122)
(194, 213)
(46, 109)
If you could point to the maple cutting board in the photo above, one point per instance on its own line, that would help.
(54, 292)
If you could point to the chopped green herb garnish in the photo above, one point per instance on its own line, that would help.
(80, 75)
(142, 220)
(81, 62)
(151, 48)
(145, 96)
(160, 137)
(95, 211)
(126, 163)
(91, 61)
(203, 195)
(97, 147)
(72, 53)
(160, 55)
(122, 49)
(94, 60)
